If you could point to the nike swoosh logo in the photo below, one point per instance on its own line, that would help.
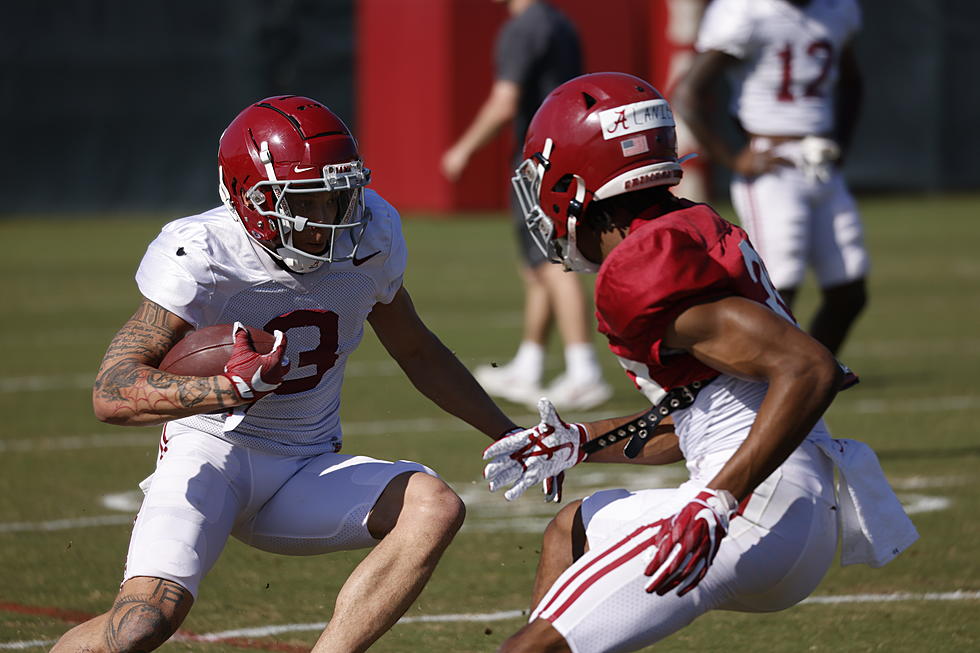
(358, 261)
(298, 169)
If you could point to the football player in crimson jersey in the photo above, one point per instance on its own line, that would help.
(688, 309)
(302, 249)
(796, 91)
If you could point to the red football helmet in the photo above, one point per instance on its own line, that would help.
(293, 147)
(593, 137)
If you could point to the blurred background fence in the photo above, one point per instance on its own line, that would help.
(112, 106)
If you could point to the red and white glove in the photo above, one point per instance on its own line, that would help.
(535, 455)
(686, 543)
(254, 375)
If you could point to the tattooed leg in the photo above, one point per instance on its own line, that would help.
(146, 613)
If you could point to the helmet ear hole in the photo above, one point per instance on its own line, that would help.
(561, 186)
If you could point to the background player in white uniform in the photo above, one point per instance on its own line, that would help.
(795, 93)
(688, 309)
(300, 248)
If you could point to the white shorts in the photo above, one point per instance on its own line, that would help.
(775, 554)
(205, 488)
(795, 222)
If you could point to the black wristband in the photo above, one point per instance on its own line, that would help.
(641, 429)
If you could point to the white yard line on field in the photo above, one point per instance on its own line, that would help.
(958, 595)
(65, 524)
(487, 513)
(452, 425)
(918, 405)
(45, 383)
(266, 631)
(28, 643)
(135, 438)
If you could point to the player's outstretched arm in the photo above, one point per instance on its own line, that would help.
(544, 452)
(432, 368)
(745, 339)
(662, 448)
(129, 390)
(498, 109)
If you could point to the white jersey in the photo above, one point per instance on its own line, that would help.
(205, 269)
(790, 60)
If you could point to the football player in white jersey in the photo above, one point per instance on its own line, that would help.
(300, 248)
(795, 94)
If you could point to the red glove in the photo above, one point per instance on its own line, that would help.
(254, 375)
(686, 544)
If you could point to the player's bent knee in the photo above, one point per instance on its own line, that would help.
(147, 612)
(431, 500)
(565, 530)
(138, 628)
(417, 499)
(564, 521)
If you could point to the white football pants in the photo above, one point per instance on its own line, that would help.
(795, 222)
(205, 488)
(775, 554)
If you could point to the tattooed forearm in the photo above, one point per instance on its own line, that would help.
(116, 377)
(130, 389)
(226, 397)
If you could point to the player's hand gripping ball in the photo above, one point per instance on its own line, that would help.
(252, 359)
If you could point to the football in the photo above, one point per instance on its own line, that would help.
(204, 352)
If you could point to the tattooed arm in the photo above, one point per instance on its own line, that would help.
(129, 389)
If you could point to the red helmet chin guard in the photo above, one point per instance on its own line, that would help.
(593, 137)
(289, 146)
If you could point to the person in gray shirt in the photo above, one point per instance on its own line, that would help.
(536, 50)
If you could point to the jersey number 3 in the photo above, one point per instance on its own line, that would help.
(322, 358)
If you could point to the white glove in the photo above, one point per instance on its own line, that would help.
(528, 457)
(819, 156)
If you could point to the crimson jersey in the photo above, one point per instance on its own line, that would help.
(663, 267)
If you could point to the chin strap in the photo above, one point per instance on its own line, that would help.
(572, 258)
(641, 429)
(297, 263)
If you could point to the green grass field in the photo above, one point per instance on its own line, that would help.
(67, 482)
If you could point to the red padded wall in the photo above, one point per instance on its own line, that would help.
(424, 68)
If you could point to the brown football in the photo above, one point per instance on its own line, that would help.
(204, 352)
